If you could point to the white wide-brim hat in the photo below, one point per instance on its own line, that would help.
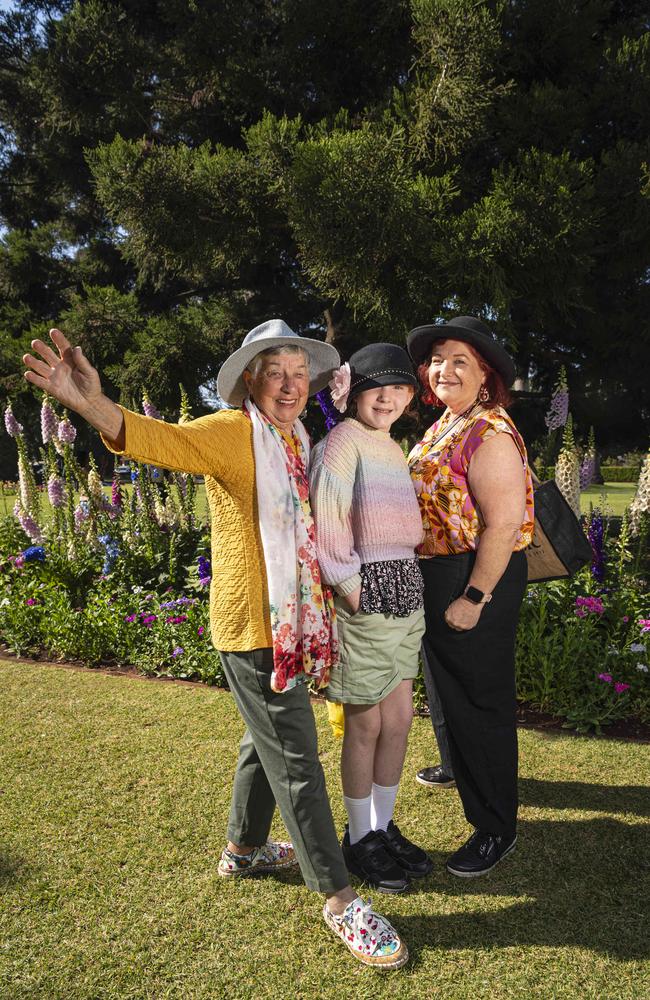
(323, 359)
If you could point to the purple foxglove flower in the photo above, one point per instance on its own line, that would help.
(558, 411)
(56, 491)
(80, 514)
(27, 523)
(587, 469)
(49, 423)
(67, 432)
(116, 495)
(12, 426)
(149, 409)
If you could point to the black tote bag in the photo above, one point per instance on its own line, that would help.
(559, 547)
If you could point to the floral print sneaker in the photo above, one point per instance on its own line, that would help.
(369, 936)
(273, 856)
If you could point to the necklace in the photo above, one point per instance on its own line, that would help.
(461, 416)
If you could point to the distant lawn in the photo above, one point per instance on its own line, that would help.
(613, 498)
(113, 804)
(618, 496)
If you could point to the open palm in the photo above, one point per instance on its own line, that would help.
(64, 374)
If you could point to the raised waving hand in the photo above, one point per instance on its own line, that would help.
(68, 376)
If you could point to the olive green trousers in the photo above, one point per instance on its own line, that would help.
(278, 765)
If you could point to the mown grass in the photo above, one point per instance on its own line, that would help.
(611, 498)
(113, 803)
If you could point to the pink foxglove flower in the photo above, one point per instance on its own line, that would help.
(12, 426)
(56, 491)
(27, 523)
(340, 387)
(149, 409)
(49, 423)
(66, 431)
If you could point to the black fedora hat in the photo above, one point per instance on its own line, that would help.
(380, 364)
(471, 331)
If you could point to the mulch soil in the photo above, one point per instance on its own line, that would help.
(632, 730)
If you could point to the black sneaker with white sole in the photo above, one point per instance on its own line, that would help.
(480, 854)
(435, 777)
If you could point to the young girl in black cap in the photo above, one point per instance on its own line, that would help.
(367, 526)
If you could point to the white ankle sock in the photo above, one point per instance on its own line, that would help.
(383, 805)
(358, 811)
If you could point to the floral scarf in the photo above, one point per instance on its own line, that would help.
(303, 623)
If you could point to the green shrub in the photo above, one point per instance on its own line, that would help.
(582, 644)
(610, 473)
(620, 473)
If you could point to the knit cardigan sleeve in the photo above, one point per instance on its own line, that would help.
(209, 446)
(332, 488)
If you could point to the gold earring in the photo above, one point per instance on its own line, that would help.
(483, 394)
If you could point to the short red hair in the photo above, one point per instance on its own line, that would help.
(499, 394)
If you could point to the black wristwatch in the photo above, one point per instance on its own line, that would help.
(476, 596)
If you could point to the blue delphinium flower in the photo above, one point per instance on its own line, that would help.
(35, 553)
(205, 570)
(111, 549)
(596, 533)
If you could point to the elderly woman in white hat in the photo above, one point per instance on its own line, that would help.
(270, 615)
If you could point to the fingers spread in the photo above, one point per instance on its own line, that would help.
(37, 365)
(81, 361)
(60, 340)
(37, 380)
(46, 352)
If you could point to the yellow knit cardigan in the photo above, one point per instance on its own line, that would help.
(219, 447)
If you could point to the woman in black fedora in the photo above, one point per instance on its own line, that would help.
(474, 488)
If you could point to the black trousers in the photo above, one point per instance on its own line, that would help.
(474, 673)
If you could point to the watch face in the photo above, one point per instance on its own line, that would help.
(474, 594)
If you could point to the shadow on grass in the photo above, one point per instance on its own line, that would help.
(583, 884)
(11, 869)
(581, 796)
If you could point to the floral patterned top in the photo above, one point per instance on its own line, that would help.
(439, 466)
(394, 587)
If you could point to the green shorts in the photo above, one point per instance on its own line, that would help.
(376, 653)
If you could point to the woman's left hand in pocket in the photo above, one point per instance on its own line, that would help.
(462, 615)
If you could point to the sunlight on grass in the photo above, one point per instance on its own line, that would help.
(113, 805)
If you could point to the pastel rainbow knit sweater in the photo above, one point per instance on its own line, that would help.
(363, 501)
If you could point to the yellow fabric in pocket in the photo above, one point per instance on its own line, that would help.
(336, 718)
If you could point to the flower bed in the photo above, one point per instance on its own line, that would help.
(97, 578)
(123, 579)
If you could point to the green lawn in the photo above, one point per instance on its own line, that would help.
(612, 498)
(617, 497)
(113, 803)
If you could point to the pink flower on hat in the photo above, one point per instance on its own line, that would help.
(340, 387)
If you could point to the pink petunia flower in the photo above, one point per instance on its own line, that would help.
(619, 688)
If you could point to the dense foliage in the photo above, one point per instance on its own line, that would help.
(171, 173)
